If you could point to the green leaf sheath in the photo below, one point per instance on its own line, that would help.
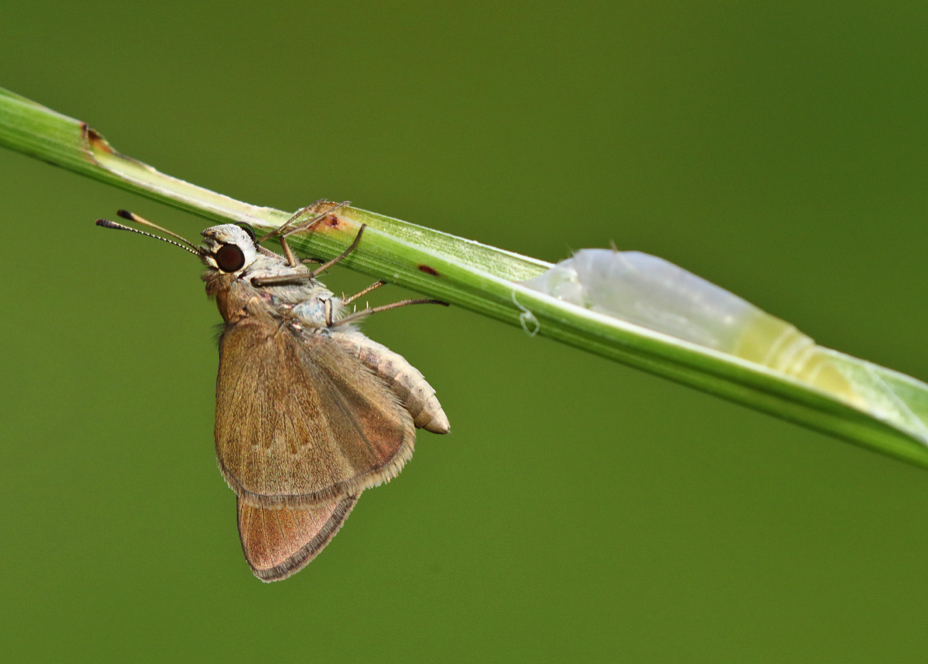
(468, 274)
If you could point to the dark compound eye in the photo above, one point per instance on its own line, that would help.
(229, 258)
(248, 229)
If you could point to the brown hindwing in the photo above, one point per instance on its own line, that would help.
(299, 421)
(281, 542)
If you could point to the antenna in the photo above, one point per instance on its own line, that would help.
(106, 223)
(132, 216)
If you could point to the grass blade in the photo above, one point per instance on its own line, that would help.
(487, 280)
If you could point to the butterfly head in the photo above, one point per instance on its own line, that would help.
(229, 248)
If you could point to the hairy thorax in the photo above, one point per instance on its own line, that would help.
(302, 302)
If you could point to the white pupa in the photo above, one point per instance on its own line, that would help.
(655, 294)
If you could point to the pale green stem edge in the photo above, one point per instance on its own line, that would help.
(463, 273)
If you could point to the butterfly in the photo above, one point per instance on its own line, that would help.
(309, 411)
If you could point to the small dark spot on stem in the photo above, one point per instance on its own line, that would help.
(429, 270)
(94, 140)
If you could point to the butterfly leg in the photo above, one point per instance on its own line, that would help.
(322, 268)
(279, 279)
(316, 219)
(287, 228)
(372, 287)
(373, 310)
(296, 215)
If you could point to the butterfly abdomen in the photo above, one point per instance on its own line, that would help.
(404, 380)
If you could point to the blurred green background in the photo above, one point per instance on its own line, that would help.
(581, 510)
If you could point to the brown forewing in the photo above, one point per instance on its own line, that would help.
(300, 422)
(280, 542)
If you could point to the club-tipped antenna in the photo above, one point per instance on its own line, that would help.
(106, 223)
(132, 216)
